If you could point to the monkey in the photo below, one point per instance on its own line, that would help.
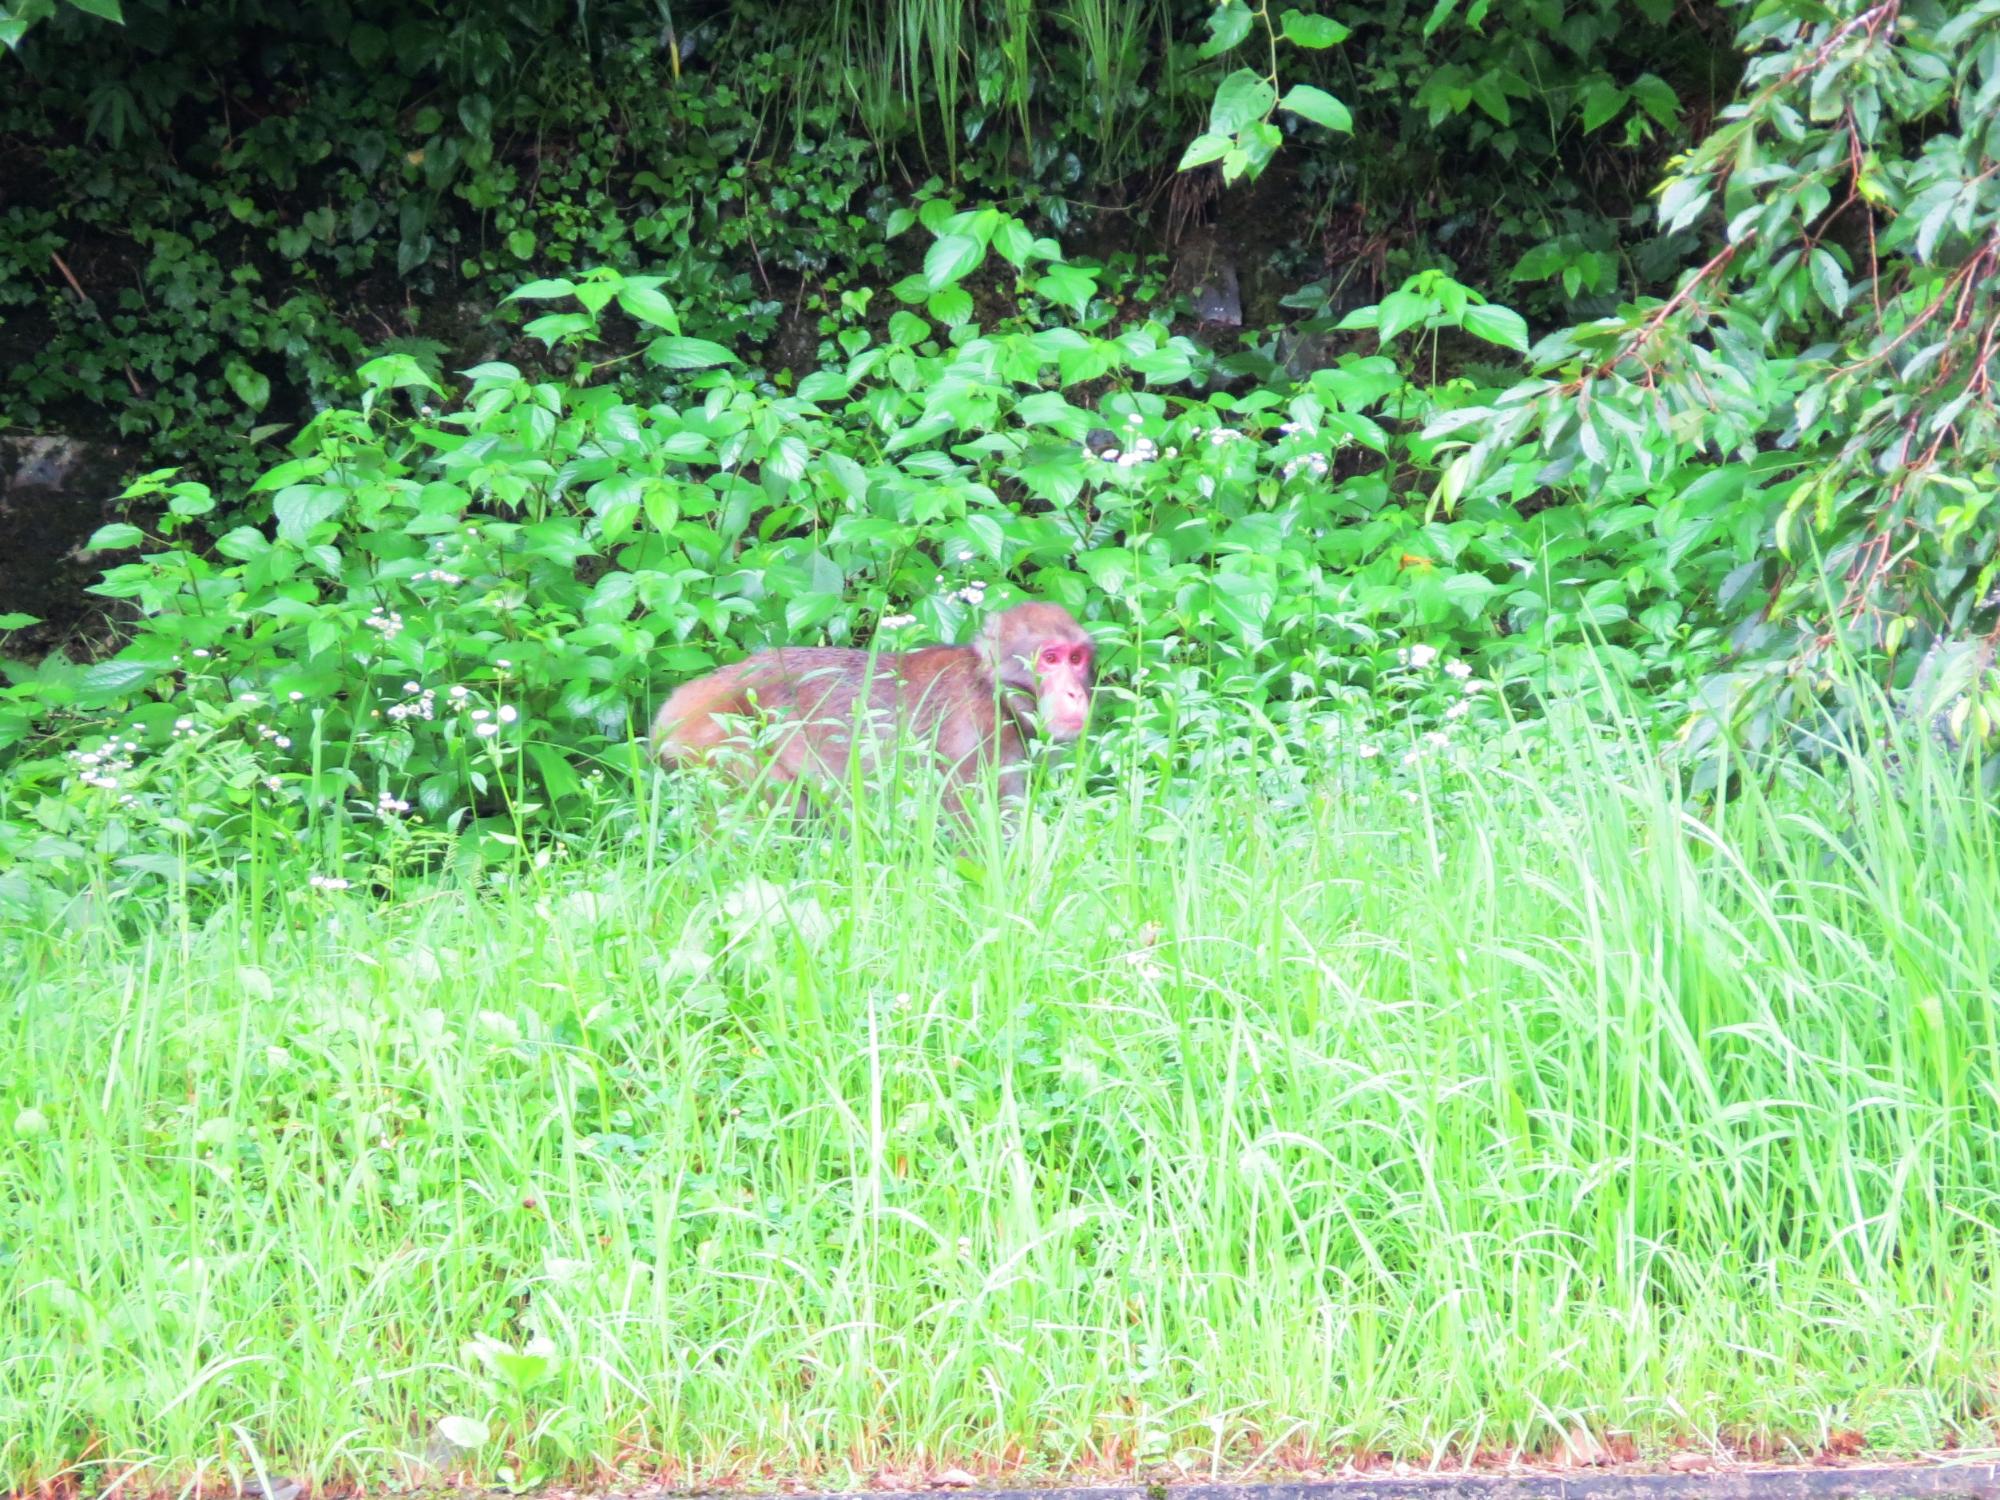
(1031, 669)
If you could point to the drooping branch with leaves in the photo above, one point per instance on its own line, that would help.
(1830, 366)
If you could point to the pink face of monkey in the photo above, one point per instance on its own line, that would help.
(1064, 670)
(1040, 649)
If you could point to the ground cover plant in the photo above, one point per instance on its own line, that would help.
(1441, 1101)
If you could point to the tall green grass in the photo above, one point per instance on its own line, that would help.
(1405, 1109)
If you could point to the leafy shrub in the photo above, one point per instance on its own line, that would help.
(464, 605)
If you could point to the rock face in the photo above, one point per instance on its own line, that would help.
(54, 492)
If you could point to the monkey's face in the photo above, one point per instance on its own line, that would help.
(1064, 671)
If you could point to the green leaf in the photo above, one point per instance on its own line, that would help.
(522, 244)
(675, 352)
(787, 458)
(117, 534)
(1228, 24)
(395, 372)
(1440, 13)
(1602, 99)
(951, 257)
(650, 305)
(1068, 286)
(1244, 98)
(1402, 310)
(243, 543)
(1488, 94)
(1014, 241)
(252, 388)
(1829, 280)
(304, 506)
(1682, 202)
(542, 290)
(951, 307)
(1318, 106)
(1498, 325)
(1306, 30)
(1203, 149)
(104, 10)
(1657, 98)
(17, 621)
(462, 1432)
(114, 678)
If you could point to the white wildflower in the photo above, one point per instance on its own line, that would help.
(1460, 670)
(1417, 656)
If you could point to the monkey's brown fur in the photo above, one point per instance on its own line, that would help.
(972, 703)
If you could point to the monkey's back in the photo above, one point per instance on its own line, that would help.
(814, 697)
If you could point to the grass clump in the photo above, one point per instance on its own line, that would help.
(1387, 1106)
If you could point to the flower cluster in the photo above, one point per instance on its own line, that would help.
(388, 622)
(104, 766)
(421, 704)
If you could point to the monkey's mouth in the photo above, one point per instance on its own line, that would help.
(1064, 728)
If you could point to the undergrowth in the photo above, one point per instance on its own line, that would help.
(1416, 1100)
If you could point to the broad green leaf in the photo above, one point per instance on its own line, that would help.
(1306, 30)
(542, 290)
(1013, 240)
(1203, 149)
(950, 258)
(252, 387)
(1068, 286)
(1498, 325)
(17, 621)
(678, 352)
(1602, 99)
(1402, 310)
(462, 1432)
(951, 307)
(650, 305)
(1228, 24)
(1318, 106)
(1489, 95)
(118, 676)
(118, 534)
(304, 506)
(1244, 98)
(787, 458)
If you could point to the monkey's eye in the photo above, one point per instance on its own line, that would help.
(1052, 657)
(1079, 656)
